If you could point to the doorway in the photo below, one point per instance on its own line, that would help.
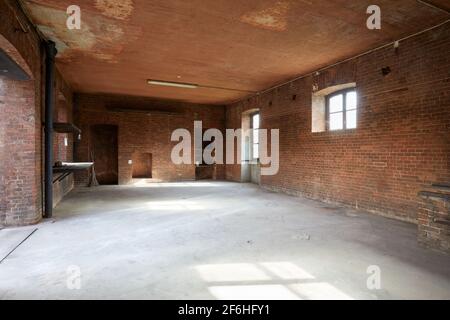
(142, 165)
(204, 171)
(250, 166)
(104, 147)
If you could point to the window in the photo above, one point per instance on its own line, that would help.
(255, 142)
(320, 117)
(342, 110)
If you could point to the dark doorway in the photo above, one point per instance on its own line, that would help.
(202, 170)
(142, 165)
(104, 149)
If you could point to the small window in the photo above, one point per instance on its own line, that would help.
(255, 142)
(342, 110)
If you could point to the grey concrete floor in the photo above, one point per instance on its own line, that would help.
(217, 240)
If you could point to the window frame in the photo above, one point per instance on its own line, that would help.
(344, 93)
(253, 132)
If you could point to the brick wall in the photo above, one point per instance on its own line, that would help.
(20, 122)
(434, 218)
(139, 132)
(63, 112)
(402, 142)
(19, 191)
(21, 130)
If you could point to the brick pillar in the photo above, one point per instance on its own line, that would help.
(434, 218)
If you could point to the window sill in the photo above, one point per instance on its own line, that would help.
(336, 132)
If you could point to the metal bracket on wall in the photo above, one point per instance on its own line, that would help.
(62, 176)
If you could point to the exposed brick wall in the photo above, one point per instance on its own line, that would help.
(20, 123)
(434, 218)
(402, 142)
(19, 191)
(63, 112)
(21, 130)
(138, 132)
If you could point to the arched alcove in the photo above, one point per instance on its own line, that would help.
(19, 149)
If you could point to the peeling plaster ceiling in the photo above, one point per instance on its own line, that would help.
(249, 45)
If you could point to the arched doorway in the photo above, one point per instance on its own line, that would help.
(19, 140)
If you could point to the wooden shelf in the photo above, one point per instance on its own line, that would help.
(72, 166)
(64, 169)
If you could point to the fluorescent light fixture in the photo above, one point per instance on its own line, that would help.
(172, 84)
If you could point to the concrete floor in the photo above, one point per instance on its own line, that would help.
(217, 240)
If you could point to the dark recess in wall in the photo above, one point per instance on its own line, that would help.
(10, 69)
(142, 165)
(104, 148)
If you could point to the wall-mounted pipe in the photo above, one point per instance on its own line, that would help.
(50, 51)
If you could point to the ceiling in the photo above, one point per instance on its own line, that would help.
(245, 46)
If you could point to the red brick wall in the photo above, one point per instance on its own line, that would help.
(403, 138)
(21, 130)
(20, 123)
(19, 192)
(138, 132)
(434, 218)
(63, 112)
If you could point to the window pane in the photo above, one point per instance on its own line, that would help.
(336, 103)
(336, 121)
(255, 121)
(351, 100)
(256, 136)
(256, 151)
(351, 119)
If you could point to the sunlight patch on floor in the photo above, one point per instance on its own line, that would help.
(253, 292)
(231, 272)
(319, 291)
(286, 270)
(266, 281)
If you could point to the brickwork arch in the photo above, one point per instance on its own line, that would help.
(19, 152)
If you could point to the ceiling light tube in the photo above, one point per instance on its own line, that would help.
(172, 84)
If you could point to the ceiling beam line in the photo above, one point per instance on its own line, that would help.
(340, 62)
(431, 5)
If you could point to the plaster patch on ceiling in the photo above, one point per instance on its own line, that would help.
(273, 18)
(98, 38)
(61, 46)
(52, 23)
(106, 57)
(117, 9)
